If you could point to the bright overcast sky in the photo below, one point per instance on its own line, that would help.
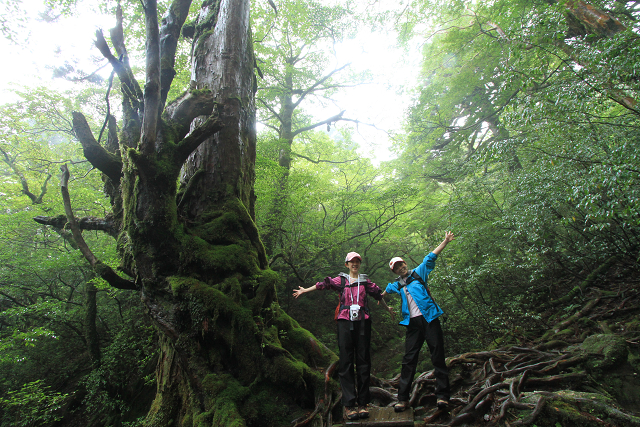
(41, 46)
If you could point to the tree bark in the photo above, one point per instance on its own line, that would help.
(229, 356)
(195, 250)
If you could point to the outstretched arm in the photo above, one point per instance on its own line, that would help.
(384, 304)
(301, 290)
(448, 237)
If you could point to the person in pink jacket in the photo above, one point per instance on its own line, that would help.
(354, 332)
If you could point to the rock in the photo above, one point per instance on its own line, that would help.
(608, 351)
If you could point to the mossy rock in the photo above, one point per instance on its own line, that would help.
(573, 408)
(608, 350)
(623, 383)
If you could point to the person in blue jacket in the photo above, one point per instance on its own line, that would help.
(420, 315)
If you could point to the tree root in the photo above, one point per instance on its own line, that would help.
(501, 380)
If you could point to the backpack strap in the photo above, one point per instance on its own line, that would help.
(417, 277)
(344, 284)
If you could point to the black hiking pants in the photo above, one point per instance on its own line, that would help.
(419, 331)
(354, 342)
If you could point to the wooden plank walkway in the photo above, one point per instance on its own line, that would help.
(383, 417)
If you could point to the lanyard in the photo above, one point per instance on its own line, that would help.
(357, 290)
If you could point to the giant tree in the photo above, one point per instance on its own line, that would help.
(180, 177)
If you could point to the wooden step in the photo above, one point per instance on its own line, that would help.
(384, 417)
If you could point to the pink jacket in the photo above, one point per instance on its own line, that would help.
(351, 295)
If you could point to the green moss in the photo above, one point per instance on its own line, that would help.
(161, 411)
(265, 290)
(623, 383)
(572, 408)
(198, 92)
(283, 370)
(214, 385)
(223, 394)
(202, 39)
(226, 243)
(220, 260)
(633, 325)
(611, 349)
(179, 283)
(301, 343)
(213, 303)
(225, 228)
(226, 414)
(221, 318)
(634, 361)
(568, 331)
(266, 405)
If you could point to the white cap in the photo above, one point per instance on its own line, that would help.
(393, 262)
(351, 255)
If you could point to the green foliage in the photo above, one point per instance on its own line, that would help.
(522, 139)
(32, 405)
(295, 42)
(127, 370)
(45, 282)
(529, 131)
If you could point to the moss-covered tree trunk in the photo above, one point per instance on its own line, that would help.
(181, 183)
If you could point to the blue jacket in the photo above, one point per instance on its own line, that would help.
(429, 309)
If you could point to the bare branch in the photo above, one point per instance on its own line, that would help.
(595, 20)
(275, 114)
(106, 99)
(117, 36)
(318, 83)
(85, 223)
(315, 125)
(100, 268)
(185, 109)
(36, 200)
(172, 23)
(151, 114)
(130, 87)
(97, 155)
(320, 160)
(212, 125)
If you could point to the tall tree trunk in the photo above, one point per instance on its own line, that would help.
(91, 314)
(205, 281)
(194, 251)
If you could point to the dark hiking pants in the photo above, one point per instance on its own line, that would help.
(354, 344)
(419, 331)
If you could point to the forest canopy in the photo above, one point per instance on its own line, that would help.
(164, 192)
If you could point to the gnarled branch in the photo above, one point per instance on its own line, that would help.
(97, 155)
(190, 105)
(315, 125)
(36, 200)
(210, 126)
(86, 223)
(172, 23)
(99, 267)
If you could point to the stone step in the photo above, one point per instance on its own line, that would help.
(383, 417)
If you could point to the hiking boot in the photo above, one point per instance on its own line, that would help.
(351, 413)
(363, 411)
(401, 406)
